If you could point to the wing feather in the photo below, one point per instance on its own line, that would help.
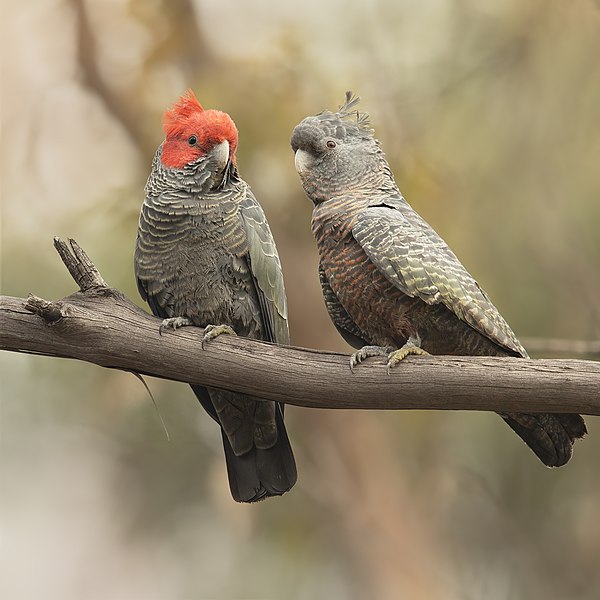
(415, 259)
(266, 269)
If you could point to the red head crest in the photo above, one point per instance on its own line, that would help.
(191, 131)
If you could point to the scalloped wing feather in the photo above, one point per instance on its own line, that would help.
(415, 259)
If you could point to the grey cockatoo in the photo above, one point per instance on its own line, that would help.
(389, 280)
(205, 256)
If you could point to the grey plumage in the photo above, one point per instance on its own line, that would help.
(205, 252)
(388, 278)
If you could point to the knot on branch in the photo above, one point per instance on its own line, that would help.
(49, 311)
(85, 274)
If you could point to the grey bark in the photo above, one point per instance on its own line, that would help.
(98, 324)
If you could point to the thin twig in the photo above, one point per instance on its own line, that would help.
(559, 346)
(81, 268)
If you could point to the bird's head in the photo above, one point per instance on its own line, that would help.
(195, 137)
(336, 152)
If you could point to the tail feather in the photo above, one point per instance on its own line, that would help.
(261, 473)
(550, 436)
(258, 473)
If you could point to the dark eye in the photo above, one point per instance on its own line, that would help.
(331, 144)
(192, 140)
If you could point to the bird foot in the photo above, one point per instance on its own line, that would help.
(174, 323)
(412, 346)
(213, 331)
(367, 352)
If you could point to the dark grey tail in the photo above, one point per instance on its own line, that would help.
(260, 474)
(550, 436)
(256, 474)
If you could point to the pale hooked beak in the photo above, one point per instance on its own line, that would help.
(302, 160)
(220, 153)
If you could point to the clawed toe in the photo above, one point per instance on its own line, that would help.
(394, 356)
(366, 352)
(174, 323)
(213, 331)
(398, 355)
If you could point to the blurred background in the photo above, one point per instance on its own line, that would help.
(489, 112)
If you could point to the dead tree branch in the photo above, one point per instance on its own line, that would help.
(98, 324)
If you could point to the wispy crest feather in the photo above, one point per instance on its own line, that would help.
(348, 110)
(175, 118)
